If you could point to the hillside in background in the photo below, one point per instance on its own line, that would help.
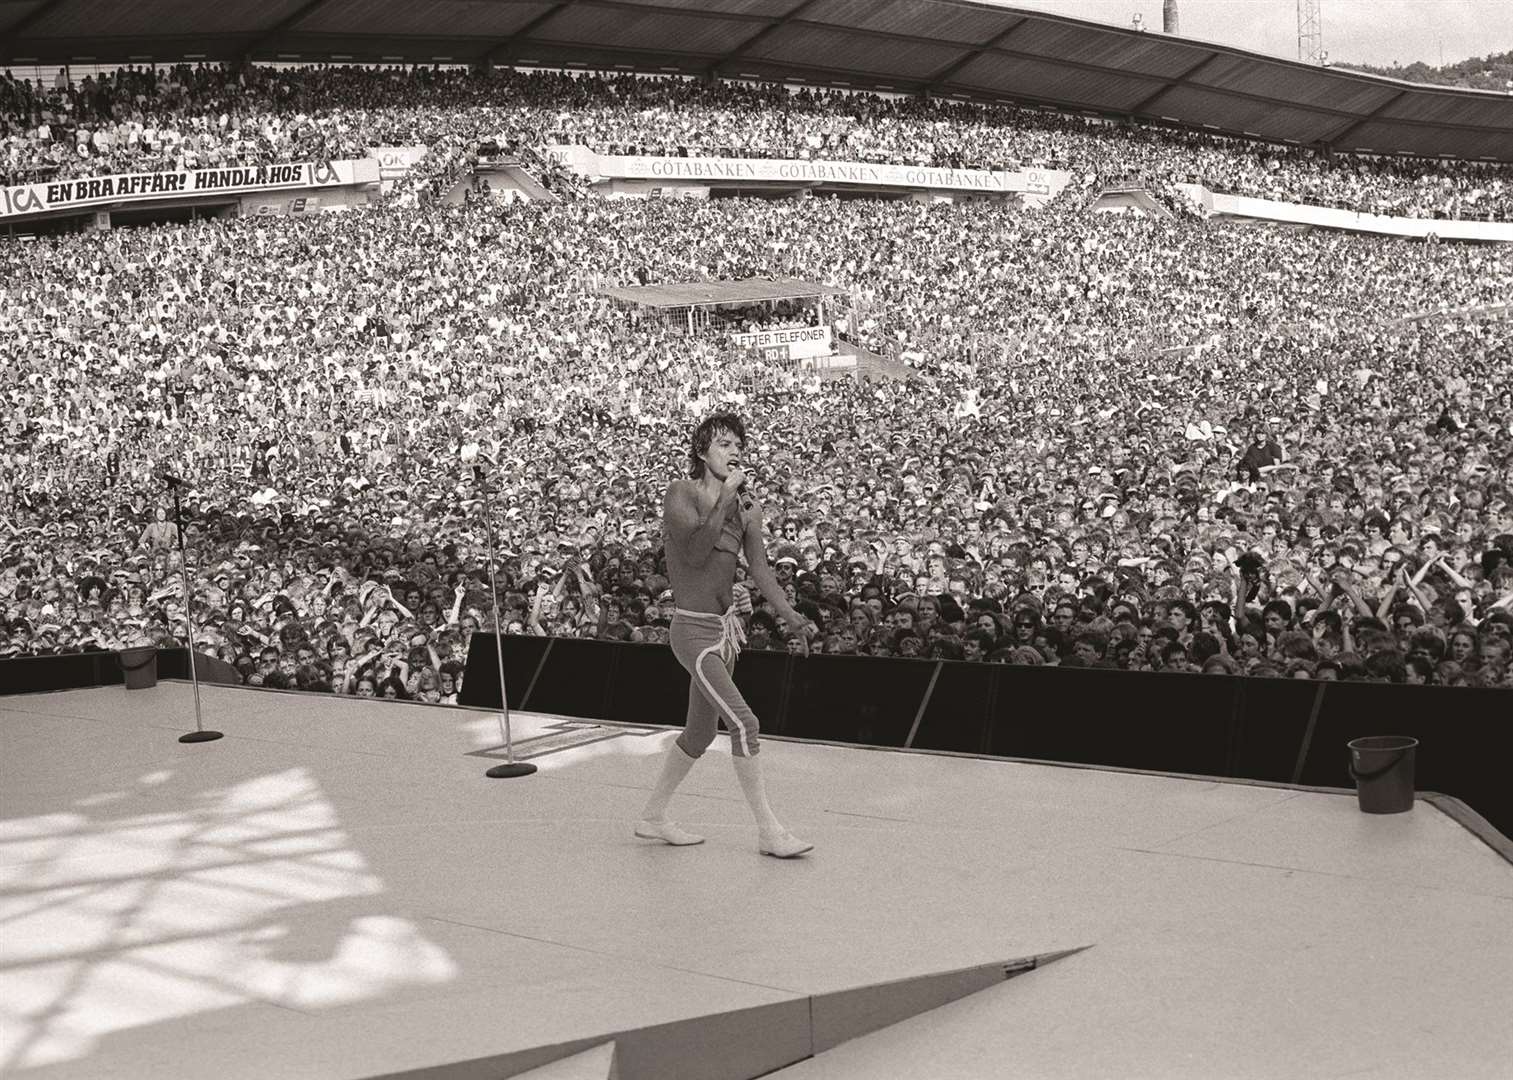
(1493, 72)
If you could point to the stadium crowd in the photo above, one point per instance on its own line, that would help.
(1059, 480)
(1127, 442)
(141, 118)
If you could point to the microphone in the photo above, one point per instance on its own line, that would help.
(740, 490)
(482, 489)
(482, 476)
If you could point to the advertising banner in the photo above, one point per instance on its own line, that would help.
(783, 170)
(805, 341)
(1328, 217)
(77, 194)
(395, 161)
(1040, 182)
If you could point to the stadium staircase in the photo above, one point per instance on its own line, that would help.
(526, 183)
(1130, 198)
(869, 365)
(502, 176)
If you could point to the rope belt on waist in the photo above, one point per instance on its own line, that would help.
(732, 630)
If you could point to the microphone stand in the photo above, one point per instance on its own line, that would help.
(199, 734)
(511, 768)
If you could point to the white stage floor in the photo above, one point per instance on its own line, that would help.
(335, 890)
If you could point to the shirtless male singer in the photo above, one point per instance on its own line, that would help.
(706, 521)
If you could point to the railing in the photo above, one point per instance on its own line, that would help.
(31, 174)
(1278, 730)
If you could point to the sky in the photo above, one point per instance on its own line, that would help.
(1363, 31)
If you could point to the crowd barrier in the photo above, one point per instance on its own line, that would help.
(74, 671)
(1280, 730)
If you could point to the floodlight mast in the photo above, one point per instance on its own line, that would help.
(1310, 33)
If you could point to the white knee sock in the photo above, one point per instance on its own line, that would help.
(749, 771)
(675, 767)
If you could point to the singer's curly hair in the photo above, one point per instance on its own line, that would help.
(705, 434)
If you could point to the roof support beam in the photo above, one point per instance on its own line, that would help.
(31, 16)
(755, 39)
(684, 13)
(491, 53)
(1146, 102)
(945, 73)
(282, 27)
(1219, 91)
(1348, 129)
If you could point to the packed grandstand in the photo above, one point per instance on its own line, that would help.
(1142, 442)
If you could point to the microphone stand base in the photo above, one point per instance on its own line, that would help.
(505, 772)
(200, 736)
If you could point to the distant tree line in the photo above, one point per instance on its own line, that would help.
(1494, 72)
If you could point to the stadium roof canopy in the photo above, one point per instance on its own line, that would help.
(720, 293)
(945, 47)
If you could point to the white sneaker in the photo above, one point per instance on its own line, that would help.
(782, 845)
(667, 832)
